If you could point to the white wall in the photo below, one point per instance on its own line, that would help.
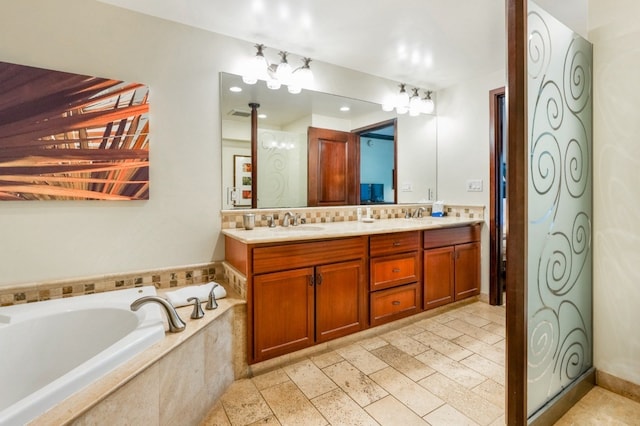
(615, 34)
(180, 224)
(463, 148)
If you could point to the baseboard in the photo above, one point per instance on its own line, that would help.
(617, 385)
(558, 406)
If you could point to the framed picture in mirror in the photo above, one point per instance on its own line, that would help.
(242, 180)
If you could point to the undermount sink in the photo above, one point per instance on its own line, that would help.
(300, 228)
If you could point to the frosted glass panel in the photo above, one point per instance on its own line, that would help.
(282, 171)
(559, 207)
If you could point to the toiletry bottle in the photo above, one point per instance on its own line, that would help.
(359, 213)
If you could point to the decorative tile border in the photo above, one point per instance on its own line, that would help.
(161, 279)
(236, 280)
(233, 218)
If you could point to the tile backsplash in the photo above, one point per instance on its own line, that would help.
(161, 279)
(233, 218)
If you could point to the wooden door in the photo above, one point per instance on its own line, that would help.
(340, 299)
(333, 169)
(439, 274)
(467, 270)
(282, 312)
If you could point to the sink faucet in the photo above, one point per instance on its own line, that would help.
(176, 324)
(418, 212)
(286, 219)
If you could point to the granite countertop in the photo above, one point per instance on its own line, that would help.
(316, 231)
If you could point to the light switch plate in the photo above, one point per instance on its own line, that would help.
(406, 187)
(474, 185)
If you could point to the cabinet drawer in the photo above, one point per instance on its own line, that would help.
(391, 304)
(397, 242)
(391, 271)
(451, 236)
(289, 256)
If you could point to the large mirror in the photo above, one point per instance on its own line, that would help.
(396, 154)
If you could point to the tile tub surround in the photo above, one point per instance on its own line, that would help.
(161, 279)
(175, 381)
(232, 219)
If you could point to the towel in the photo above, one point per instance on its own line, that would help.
(179, 297)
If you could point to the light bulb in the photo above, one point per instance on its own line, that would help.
(257, 67)
(427, 103)
(283, 72)
(402, 100)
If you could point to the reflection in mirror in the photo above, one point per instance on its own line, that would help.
(282, 146)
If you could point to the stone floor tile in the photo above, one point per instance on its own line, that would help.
(403, 362)
(473, 331)
(243, 403)
(602, 407)
(404, 342)
(271, 378)
(339, 409)
(491, 352)
(452, 369)
(271, 421)
(487, 368)
(462, 399)
(390, 411)
(355, 383)
(443, 330)
(362, 359)
(216, 416)
(326, 359)
(291, 406)
(494, 328)
(411, 330)
(492, 392)
(444, 346)
(372, 343)
(408, 392)
(446, 415)
(309, 378)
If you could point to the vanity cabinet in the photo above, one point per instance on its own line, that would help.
(451, 262)
(306, 293)
(395, 276)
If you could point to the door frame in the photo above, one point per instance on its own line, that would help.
(495, 202)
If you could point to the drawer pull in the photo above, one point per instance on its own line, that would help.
(397, 243)
(395, 302)
(396, 270)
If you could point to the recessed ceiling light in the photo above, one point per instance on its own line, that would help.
(262, 115)
(345, 109)
(235, 89)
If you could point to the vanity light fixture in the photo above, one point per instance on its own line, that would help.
(412, 104)
(278, 74)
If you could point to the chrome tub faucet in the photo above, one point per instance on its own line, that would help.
(176, 324)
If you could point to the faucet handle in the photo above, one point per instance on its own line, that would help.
(296, 219)
(197, 308)
(270, 222)
(212, 303)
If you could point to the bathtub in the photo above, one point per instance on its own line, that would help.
(50, 350)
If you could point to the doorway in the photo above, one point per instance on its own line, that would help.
(498, 224)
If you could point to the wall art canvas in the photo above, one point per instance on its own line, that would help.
(66, 136)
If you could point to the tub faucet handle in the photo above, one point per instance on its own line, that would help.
(176, 324)
(197, 308)
(212, 303)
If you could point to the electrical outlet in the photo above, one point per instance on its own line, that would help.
(474, 185)
(406, 187)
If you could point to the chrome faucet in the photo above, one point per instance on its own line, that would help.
(270, 222)
(212, 303)
(176, 324)
(418, 212)
(286, 219)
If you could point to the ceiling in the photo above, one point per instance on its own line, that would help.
(427, 43)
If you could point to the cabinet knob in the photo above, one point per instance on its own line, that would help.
(397, 243)
(319, 279)
(395, 302)
(396, 270)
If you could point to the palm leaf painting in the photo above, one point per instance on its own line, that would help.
(66, 136)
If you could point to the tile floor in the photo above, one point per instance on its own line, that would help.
(443, 370)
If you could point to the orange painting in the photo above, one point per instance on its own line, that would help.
(66, 136)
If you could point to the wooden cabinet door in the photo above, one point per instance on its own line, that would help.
(333, 168)
(282, 312)
(467, 270)
(340, 301)
(439, 276)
